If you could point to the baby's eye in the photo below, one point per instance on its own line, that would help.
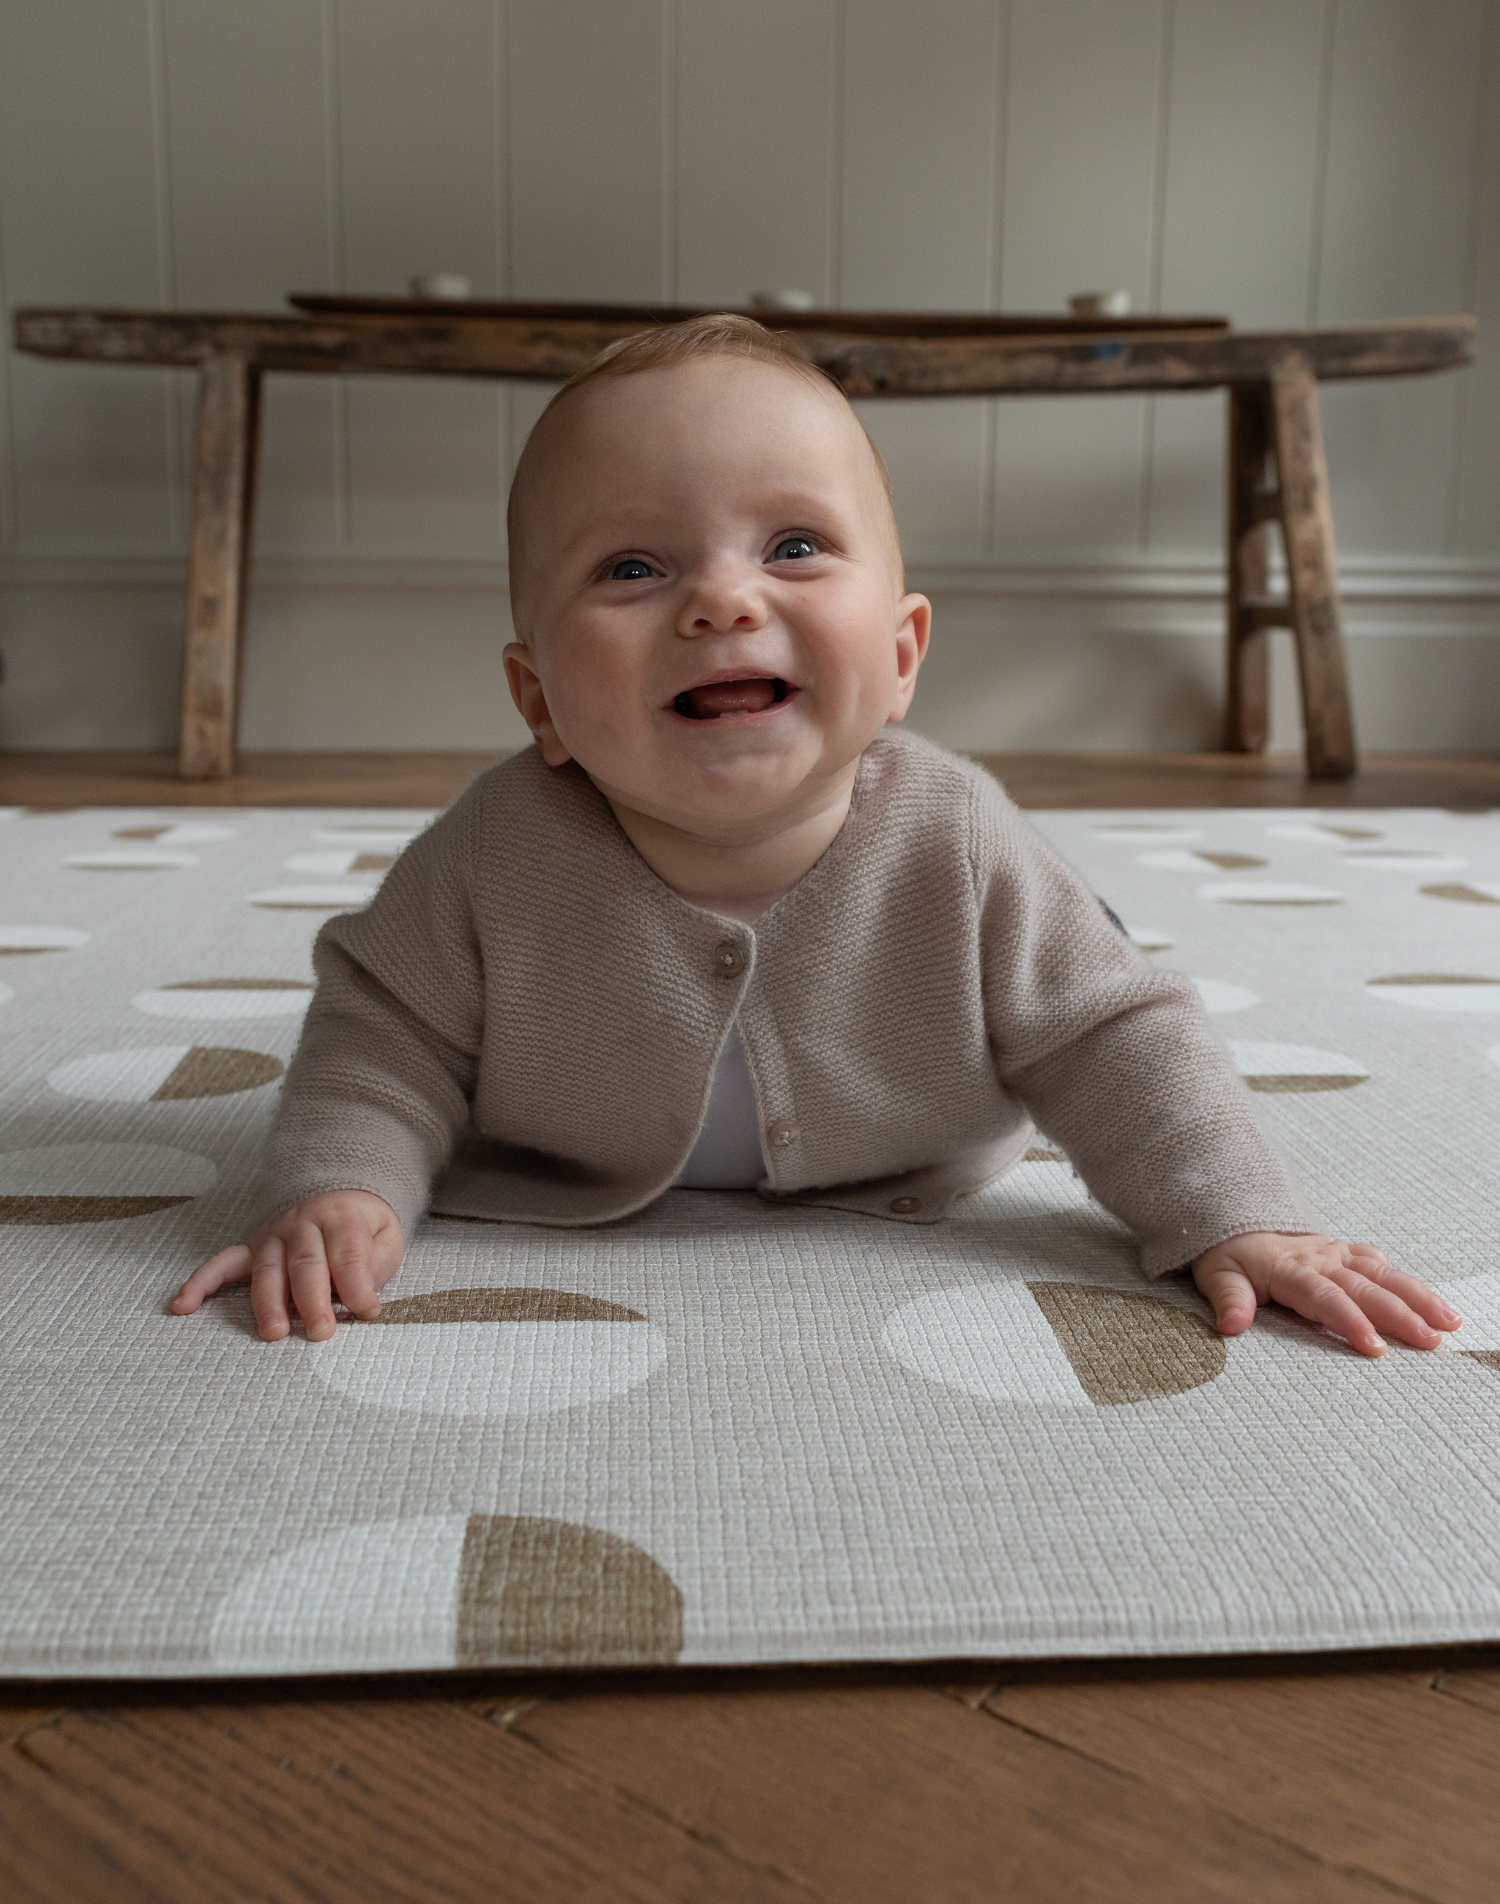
(631, 569)
(793, 548)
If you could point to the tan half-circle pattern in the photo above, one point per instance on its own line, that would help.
(140, 859)
(1198, 859)
(442, 1590)
(541, 1592)
(1468, 992)
(1125, 1347)
(175, 832)
(1322, 832)
(226, 998)
(162, 1074)
(1295, 1069)
(491, 1352)
(502, 1305)
(24, 941)
(98, 1183)
(1468, 892)
(333, 865)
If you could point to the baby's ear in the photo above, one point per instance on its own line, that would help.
(913, 631)
(530, 697)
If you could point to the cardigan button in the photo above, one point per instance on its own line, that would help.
(729, 960)
(906, 1206)
(781, 1133)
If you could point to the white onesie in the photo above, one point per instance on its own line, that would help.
(727, 1153)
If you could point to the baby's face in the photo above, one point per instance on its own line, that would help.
(709, 597)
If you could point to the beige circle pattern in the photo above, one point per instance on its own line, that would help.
(491, 1352)
(163, 1074)
(467, 1590)
(226, 998)
(98, 1183)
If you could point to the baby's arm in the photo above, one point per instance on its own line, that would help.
(375, 1097)
(348, 1241)
(1348, 1287)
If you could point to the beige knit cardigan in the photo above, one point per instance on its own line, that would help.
(524, 1023)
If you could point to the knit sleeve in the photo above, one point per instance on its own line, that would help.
(380, 1086)
(1114, 1058)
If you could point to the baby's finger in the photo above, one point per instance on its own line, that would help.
(307, 1272)
(1233, 1296)
(227, 1267)
(1428, 1304)
(346, 1240)
(1315, 1295)
(1386, 1309)
(268, 1289)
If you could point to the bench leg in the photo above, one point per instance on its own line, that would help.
(1251, 502)
(225, 439)
(1312, 571)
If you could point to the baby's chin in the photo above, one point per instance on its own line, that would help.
(730, 788)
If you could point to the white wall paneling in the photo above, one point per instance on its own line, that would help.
(592, 130)
(251, 129)
(756, 128)
(1475, 519)
(422, 170)
(91, 452)
(1279, 160)
(1239, 214)
(1404, 152)
(919, 229)
(1081, 191)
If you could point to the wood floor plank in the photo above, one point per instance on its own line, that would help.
(18, 1717)
(1477, 1686)
(892, 1791)
(1369, 1769)
(58, 1848)
(261, 780)
(371, 1801)
(1469, 782)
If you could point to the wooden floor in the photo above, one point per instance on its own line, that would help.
(1330, 1780)
(1469, 781)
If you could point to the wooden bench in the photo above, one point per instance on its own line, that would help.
(1276, 465)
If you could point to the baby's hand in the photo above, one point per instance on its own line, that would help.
(1348, 1287)
(349, 1241)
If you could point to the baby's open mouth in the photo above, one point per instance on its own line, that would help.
(750, 696)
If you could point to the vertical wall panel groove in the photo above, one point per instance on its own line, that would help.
(1486, 122)
(1158, 250)
(1320, 162)
(334, 187)
(669, 149)
(837, 157)
(1474, 522)
(8, 532)
(166, 274)
(997, 254)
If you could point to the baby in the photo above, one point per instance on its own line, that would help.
(722, 928)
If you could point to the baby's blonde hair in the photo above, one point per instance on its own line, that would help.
(665, 347)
